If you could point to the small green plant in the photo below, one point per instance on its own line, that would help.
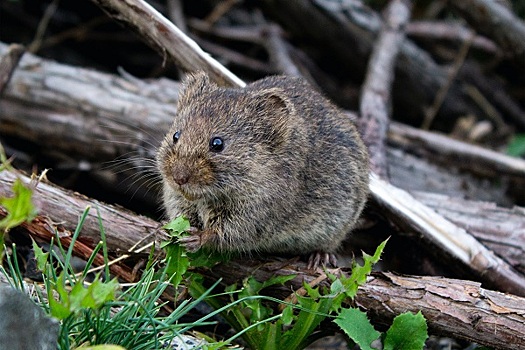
(296, 326)
(99, 313)
(19, 207)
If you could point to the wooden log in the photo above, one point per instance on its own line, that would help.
(453, 308)
(55, 95)
(352, 28)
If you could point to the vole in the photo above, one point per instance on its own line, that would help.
(273, 167)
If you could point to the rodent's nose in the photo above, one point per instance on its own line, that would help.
(181, 178)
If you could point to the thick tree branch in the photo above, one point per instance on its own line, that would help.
(166, 38)
(73, 94)
(375, 96)
(452, 307)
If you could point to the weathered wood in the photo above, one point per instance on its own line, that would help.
(63, 208)
(453, 308)
(55, 95)
(375, 104)
(505, 233)
(352, 28)
(497, 22)
(166, 38)
(8, 63)
(448, 238)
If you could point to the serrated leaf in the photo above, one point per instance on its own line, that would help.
(40, 256)
(102, 292)
(177, 226)
(58, 310)
(356, 325)
(19, 207)
(204, 258)
(313, 313)
(312, 292)
(336, 287)
(79, 297)
(361, 272)
(277, 280)
(408, 331)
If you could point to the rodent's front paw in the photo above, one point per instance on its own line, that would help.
(195, 240)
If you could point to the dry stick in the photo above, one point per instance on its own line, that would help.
(375, 99)
(482, 160)
(166, 38)
(268, 35)
(411, 214)
(278, 51)
(176, 14)
(345, 31)
(497, 22)
(8, 63)
(493, 89)
(473, 313)
(219, 11)
(455, 32)
(236, 57)
(42, 26)
(442, 93)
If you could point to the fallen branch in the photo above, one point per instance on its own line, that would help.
(8, 63)
(454, 308)
(89, 136)
(497, 22)
(166, 38)
(375, 97)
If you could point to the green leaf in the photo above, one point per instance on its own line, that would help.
(313, 313)
(40, 256)
(80, 297)
(177, 226)
(102, 292)
(408, 331)
(360, 273)
(516, 147)
(177, 263)
(19, 207)
(58, 310)
(205, 258)
(251, 287)
(312, 292)
(277, 280)
(356, 325)
(287, 317)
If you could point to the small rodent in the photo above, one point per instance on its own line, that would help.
(273, 167)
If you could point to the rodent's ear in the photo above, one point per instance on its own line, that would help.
(193, 85)
(273, 100)
(275, 107)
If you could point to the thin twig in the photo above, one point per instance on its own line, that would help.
(442, 93)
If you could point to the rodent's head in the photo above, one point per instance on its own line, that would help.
(224, 141)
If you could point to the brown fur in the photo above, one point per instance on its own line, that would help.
(292, 177)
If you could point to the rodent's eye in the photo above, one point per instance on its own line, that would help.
(216, 144)
(176, 136)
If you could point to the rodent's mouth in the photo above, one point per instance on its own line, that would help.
(187, 193)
